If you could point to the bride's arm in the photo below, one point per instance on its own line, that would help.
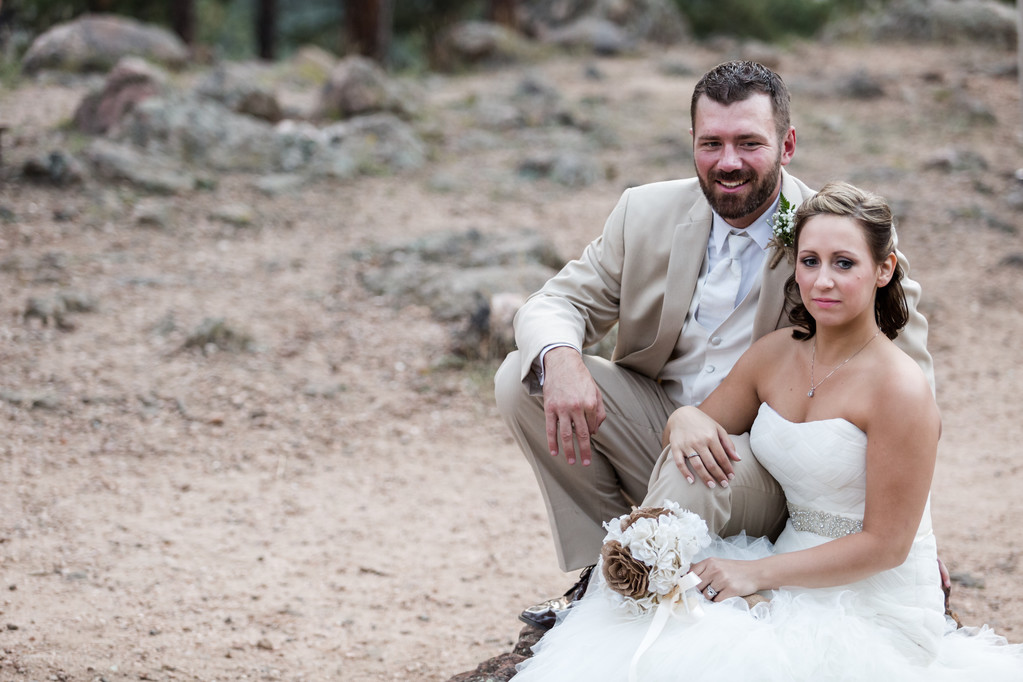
(902, 428)
(730, 408)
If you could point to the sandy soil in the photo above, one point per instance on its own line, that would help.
(335, 505)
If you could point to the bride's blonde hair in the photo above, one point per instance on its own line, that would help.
(872, 213)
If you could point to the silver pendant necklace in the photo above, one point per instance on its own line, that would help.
(813, 359)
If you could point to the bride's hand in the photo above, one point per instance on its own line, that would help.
(726, 578)
(700, 447)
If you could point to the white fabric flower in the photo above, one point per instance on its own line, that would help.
(666, 543)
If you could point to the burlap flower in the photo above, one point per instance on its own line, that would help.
(643, 513)
(624, 574)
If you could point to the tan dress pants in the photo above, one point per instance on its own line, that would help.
(629, 466)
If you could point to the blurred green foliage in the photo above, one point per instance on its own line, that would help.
(768, 20)
(228, 26)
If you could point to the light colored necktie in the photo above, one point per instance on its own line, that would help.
(721, 288)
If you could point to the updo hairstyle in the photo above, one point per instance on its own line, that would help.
(872, 213)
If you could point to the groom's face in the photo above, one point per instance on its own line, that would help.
(739, 156)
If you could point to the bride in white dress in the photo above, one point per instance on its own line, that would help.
(848, 425)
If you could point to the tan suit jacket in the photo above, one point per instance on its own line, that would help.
(641, 273)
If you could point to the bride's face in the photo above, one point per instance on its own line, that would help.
(835, 271)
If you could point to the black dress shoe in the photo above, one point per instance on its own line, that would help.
(545, 614)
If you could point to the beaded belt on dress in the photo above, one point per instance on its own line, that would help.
(822, 523)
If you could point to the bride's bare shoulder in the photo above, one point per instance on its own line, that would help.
(773, 342)
(902, 383)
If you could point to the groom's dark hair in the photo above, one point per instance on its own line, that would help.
(874, 216)
(736, 81)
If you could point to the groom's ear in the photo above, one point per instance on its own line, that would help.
(886, 269)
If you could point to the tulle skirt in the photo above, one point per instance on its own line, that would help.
(862, 632)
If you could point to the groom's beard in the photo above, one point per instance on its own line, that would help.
(740, 205)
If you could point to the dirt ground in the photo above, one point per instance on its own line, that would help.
(335, 504)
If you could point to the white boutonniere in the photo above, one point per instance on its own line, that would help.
(783, 227)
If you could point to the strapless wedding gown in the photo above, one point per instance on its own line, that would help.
(889, 627)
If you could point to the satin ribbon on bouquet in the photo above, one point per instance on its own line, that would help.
(665, 609)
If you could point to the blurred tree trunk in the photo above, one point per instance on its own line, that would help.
(368, 27)
(503, 12)
(183, 19)
(1019, 62)
(266, 29)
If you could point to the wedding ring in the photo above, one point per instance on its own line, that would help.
(710, 592)
(692, 454)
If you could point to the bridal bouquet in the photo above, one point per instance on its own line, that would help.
(647, 554)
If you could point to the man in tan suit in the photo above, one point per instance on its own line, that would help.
(687, 270)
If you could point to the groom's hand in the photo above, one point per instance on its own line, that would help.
(572, 404)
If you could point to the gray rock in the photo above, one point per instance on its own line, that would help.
(57, 308)
(240, 215)
(216, 333)
(304, 148)
(244, 88)
(860, 85)
(311, 64)
(49, 268)
(168, 141)
(97, 42)
(493, 113)
(657, 21)
(575, 170)
(30, 401)
(58, 168)
(152, 213)
(358, 86)
(940, 21)
(470, 248)
(476, 43)
(375, 143)
(131, 81)
(566, 168)
(323, 390)
(201, 132)
(594, 34)
(1013, 260)
(1015, 199)
(956, 160)
(675, 66)
(146, 171)
(499, 330)
(204, 132)
(276, 184)
(46, 310)
(469, 280)
(78, 302)
(967, 580)
(966, 106)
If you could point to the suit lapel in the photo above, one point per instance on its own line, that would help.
(688, 250)
(771, 306)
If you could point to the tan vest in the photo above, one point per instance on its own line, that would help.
(703, 357)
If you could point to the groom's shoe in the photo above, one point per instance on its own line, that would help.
(545, 614)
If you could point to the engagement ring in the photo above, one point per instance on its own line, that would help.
(710, 592)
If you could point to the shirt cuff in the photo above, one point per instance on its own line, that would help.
(538, 363)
